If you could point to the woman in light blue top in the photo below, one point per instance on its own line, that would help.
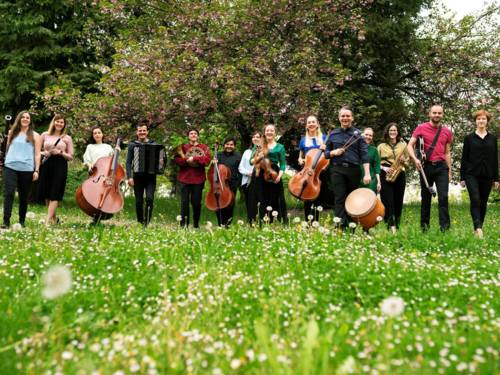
(22, 165)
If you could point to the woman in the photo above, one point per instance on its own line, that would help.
(479, 168)
(313, 139)
(22, 165)
(373, 155)
(393, 155)
(268, 197)
(96, 149)
(246, 169)
(57, 150)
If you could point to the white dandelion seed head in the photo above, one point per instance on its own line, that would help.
(379, 218)
(17, 227)
(56, 282)
(348, 366)
(209, 224)
(41, 221)
(319, 208)
(392, 306)
(178, 218)
(352, 225)
(315, 224)
(289, 215)
(323, 230)
(265, 218)
(269, 208)
(275, 213)
(304, 224)
(235, 363)
(30, 215)
(241, 222)
(337, 220)
(310, 217)
(67, 355)
(296, 219)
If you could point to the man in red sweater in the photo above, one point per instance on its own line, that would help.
(192, 160)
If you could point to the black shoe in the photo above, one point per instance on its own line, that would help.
(4, 226)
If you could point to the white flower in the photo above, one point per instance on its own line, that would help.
(265, 218)
(352, 225)
(56, 281)
(17, 227)
(30, 215)
(275, 213)
(241, 222)
(269, 208)
(315, 224)
(323, 230)
(379, 218)
(337, 220)
(66, 355)
(392, 306)
(41, 221)
(209, 225)
(178, 218)
(296, 220)
(347, 367)
(304, 224)
(250, 354)
(235, 363)
(319, 208)
(310, 217)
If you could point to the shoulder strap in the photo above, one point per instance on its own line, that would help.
(433, 145)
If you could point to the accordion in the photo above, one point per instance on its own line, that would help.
(148, 158)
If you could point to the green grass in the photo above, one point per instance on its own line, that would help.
(277, 300)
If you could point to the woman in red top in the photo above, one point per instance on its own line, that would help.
(192, 158)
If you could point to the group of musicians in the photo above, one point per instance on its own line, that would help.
(354, 162)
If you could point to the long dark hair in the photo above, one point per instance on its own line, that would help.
(16, 128)
(91, 139)
(386, 133)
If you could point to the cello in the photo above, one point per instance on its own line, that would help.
(306, 184)
(220, 194)
(100, 194)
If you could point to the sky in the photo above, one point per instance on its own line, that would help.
(464, 7)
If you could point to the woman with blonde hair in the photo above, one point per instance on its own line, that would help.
(22, 165)
(57, 151)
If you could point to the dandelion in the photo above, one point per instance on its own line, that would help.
(275, 213)
(178, 218)
(348, 366)
(315, 224)
(304, 224)
(235, 363)
(379, 218)
(56, 281)
(209, 225)
(30, 215)
(296, 220)
(269, 208)
(41, 221)
(67, 355)
(352, 225)
(392, 306)
(265, 218)
(337, 220)
(310, 217)
(319, 208)
(17, 227)
(240, 222)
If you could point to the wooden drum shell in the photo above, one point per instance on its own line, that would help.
(364, 207)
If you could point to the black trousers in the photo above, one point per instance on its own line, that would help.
(436, 173)
(144, 183)
(225, 215)
(191, 193)
(343, 180)
(22, 182)
(244, 190)
(479, 189)
(392, 194)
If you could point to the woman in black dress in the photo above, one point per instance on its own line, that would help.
(57, 149)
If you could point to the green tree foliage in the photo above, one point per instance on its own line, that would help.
(40, 40)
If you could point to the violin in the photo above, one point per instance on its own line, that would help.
(220, 194)
(264, 164)
(306, 184)
(100, 193)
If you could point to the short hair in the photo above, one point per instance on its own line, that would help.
(435, 105)
(482, 112)
(230, 139)
(193, 130)
(386, 132)
(141, 123)
(345, 108)
(368, 128)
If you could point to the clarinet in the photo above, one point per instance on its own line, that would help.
(3, 143)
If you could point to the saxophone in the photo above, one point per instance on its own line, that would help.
(396, 168)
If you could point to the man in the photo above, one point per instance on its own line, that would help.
(192, 158)
(230, 159)
(142, 182)
(436, 166)
(348, 151)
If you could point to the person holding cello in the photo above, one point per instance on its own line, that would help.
(230, 159)
(267, 195)
(192, 158)
(314, 139)
(348, 151)
(141, 182)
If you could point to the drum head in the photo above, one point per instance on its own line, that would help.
(360, 202)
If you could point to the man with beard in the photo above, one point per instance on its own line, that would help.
(230, 159)
(436, 165)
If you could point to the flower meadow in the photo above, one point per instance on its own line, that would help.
(296, 299)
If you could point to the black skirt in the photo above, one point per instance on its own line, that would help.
(53, 175)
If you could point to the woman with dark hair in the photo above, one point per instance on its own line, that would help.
(57, 150)
(267, 197)
(96, 149)
(246, 170)
(394, 157)
(22, 165)
(479, 168)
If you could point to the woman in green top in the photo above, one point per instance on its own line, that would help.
(374, 163)
(268, 197)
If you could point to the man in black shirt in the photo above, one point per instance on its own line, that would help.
(347, 150)
(230, 159)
